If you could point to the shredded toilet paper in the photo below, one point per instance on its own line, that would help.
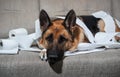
(102, 40)
(38, 32)
(108, 20)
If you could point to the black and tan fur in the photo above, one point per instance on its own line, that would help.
(61, 35)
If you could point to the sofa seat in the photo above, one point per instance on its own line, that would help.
(28, 64)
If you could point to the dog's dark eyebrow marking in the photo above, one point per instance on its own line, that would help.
(61, 39)
(49, 38)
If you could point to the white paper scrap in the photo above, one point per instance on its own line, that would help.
(108, 20)
(69, 53)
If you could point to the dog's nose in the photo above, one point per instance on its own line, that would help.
(52, 56)
(52, 59)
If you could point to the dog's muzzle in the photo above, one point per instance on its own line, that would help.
(54, 56)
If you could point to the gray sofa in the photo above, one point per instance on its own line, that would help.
(28, 64)
(23, 13)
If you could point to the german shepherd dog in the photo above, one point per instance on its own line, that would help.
(60, 35)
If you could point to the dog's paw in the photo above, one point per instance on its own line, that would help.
(43, 55)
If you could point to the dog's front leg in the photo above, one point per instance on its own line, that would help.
(43, 55)
(43, 52)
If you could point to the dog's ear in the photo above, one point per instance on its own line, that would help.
(70, 19)
(44, 20)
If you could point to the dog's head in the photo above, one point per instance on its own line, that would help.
(57, 35)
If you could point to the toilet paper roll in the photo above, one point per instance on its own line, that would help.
(8, 46)
(24, 41)
(17, 33)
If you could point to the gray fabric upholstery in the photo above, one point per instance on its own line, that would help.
(22, 13)
(28, 64)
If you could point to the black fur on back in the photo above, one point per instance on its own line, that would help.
(91, 22)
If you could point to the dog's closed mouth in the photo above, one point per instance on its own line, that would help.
(53, 60)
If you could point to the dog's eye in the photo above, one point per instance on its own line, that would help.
(62, 39)
(50, 38)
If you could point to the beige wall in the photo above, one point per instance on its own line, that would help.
(116, 8)
(23, 13)
(16, 14)
(58, 7)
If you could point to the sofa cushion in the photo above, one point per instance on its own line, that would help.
(28, 64)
